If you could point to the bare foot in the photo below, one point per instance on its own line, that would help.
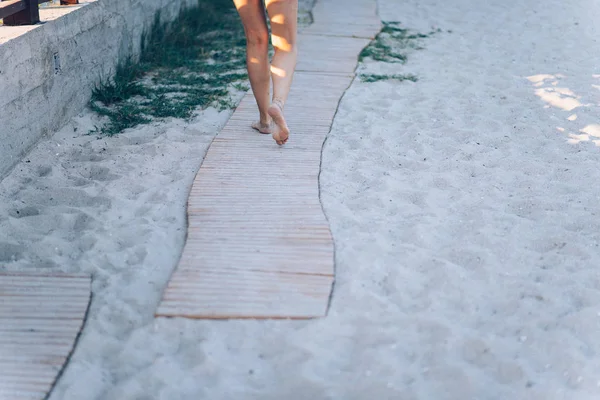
(281, 132)
(262, 127)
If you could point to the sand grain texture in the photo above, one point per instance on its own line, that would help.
(465, 225)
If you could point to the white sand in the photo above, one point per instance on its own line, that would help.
(466, 227)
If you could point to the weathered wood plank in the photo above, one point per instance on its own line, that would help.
(40, 318)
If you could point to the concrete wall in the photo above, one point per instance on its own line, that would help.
(37, 100)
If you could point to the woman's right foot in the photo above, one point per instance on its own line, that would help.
(281, 132)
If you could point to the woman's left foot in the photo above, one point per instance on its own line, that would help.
(262, 127)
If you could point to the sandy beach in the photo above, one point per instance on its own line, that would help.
(464, 209)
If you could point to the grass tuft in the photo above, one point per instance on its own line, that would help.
(121, 87)
(398, 77)
(391, 45)
(189, 63)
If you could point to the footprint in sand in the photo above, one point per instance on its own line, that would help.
(83, 222)
(10, 252)
(24, 212)
(98, 173)
(43, 171)
(69, 197)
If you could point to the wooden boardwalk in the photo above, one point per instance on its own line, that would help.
(259, 245)
(41, 316)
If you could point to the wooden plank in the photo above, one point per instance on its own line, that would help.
(362, 30)
(15, 394)
(345, 12)
(41, 316)
(258, 244)
(27, 15)
(244, 294)
(10, 7)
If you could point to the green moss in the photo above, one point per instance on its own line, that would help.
(397, 77)
(392, 45)
(392, 42)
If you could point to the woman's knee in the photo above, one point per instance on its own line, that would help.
(257, 37)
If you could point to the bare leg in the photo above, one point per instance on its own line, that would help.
(252, 13)
(284, 20)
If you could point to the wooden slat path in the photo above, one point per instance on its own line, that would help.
(41, 316)
(259, 245)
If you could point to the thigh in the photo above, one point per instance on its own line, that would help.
(252, 14)
(283, 15)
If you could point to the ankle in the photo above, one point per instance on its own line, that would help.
(265, 120)
(278, 102)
